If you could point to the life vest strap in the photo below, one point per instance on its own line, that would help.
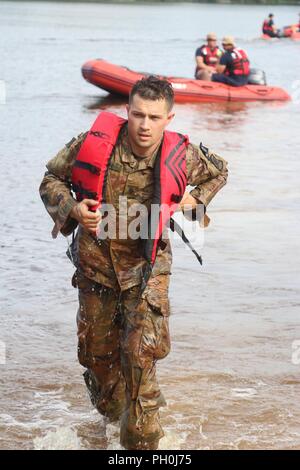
(147, 269)
(83, 192)
(87, 166)
(175, 227)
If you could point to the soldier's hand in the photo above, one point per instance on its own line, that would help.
(187, 200)
(187, 204)
(85, 217)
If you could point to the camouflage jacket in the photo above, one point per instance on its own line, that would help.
(114, 262)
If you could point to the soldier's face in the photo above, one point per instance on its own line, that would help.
(147, 121)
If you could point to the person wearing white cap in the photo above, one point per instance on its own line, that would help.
(234, 66)
(207, 58)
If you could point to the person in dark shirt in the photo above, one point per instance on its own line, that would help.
(234, 66)
(269, 27)
(207, 58)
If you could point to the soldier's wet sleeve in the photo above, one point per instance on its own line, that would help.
(55, 188)
(206, 171)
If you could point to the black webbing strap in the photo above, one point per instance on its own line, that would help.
(175, 227)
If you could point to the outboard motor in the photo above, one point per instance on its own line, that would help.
(257, 77)
(281, 33)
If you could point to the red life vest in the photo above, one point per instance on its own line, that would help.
(267, 27)
(240, 64)
(90, 170)
(210, 56)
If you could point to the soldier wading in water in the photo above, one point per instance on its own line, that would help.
(123, 282)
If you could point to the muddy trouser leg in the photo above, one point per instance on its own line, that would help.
(144, 339)
(99, 346)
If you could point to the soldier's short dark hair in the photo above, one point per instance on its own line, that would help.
(153, 88)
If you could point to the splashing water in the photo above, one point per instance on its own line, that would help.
(172, 440)
(64, 438)
(112, 432)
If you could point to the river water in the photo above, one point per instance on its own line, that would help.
(232, 379)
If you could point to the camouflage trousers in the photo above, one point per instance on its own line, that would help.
(120, 338)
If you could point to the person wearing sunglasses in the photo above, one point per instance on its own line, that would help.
(207, 58)
(234, 66)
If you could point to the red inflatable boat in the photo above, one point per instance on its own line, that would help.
(118, 79)
(291, 32)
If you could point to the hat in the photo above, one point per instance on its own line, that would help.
(228, 40)
(211, 36)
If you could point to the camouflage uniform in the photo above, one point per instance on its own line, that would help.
(121, 336)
